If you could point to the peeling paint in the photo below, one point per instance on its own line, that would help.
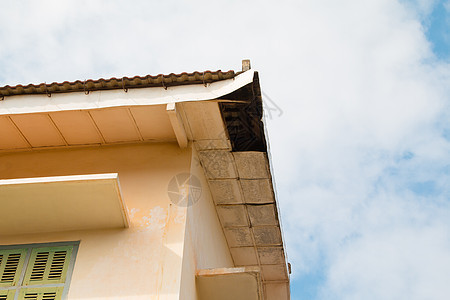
(133, 211)
(155, 218)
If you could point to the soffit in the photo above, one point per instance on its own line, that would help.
(85, 127)
(112, 116)
(241, 186)
(49, 204)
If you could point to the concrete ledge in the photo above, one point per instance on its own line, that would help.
(61, 203)
(229, 283)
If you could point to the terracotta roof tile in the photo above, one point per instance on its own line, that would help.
(117, 83)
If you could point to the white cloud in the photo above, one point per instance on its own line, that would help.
(391, 265)
(422, 8)
(364, 105)
(368, 92)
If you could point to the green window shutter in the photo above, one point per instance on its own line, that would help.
(7, 295)
(49, 293)
(11, 263)
(48, 266)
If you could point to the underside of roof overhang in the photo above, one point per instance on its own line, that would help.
(231, 148)
(243, 117)
(152, 114)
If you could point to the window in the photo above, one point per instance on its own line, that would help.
(37, 271)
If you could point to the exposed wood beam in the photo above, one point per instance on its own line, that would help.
(177, 124)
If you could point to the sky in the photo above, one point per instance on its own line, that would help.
(358, 95)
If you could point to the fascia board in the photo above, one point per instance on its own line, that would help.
(23, 104)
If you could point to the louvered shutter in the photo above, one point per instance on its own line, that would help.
(48, 266)
(49, 293)
(7, 295)
(11, 263)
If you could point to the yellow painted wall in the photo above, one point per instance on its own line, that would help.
(141, 262)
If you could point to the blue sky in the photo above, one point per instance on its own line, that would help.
(360, 151)
(437, 31)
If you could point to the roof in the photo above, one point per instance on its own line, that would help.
(242, 115)
(86, 86)
(232, 148)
